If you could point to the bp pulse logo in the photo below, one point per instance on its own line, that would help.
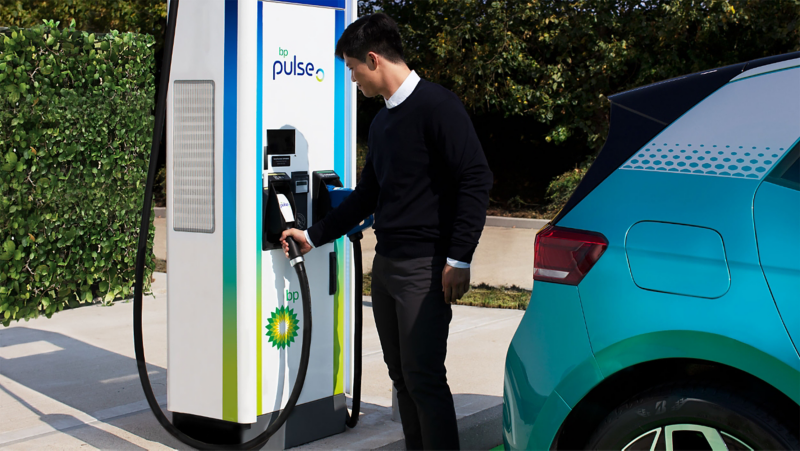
(282, 327)
(292, 67)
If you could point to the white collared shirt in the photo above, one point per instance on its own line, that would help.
(396, 99)
(403, 91)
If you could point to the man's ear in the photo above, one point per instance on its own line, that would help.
(373, 60)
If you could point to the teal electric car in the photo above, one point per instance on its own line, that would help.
(665, 312)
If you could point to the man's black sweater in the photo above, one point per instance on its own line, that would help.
(426, 179)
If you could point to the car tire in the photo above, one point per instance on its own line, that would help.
(688, 414)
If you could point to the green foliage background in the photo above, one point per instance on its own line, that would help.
(535, 74)
(100, 16)
(75, 130)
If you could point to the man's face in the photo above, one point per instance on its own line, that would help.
(364, 74)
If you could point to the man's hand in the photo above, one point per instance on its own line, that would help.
(455, 283)
(299, 238)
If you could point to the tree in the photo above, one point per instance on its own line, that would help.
(99, 16)
(552, 63)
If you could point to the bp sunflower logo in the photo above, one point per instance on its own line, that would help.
(282, 327)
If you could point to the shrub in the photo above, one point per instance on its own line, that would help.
(562, 187)
(75, 129)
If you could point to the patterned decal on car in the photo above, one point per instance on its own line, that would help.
(714, 159)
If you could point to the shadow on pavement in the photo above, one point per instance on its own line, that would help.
(76, 428)
(66, 371)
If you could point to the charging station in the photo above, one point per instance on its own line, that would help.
(260, 128)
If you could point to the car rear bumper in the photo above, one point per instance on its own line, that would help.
(549, 367)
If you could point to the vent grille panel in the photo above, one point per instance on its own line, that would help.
(193, 157)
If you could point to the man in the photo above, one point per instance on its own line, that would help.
(427, 181)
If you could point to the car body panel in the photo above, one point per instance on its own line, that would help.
(777, 219)
(560, 346)
(687, 344)
(616, 309)
(579, 380)
(537, 430)
(554, 412)
(540, 434)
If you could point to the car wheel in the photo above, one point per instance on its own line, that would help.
(691, 417)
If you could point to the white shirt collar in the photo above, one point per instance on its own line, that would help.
(403, 91)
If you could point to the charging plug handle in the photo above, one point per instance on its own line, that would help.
(295, 256)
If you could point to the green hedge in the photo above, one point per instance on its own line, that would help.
(75, 132)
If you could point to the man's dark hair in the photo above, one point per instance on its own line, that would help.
(373, 33)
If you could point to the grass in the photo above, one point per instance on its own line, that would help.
(528, 213)
(496, 297)
(482, 295)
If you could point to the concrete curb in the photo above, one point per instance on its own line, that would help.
(160, 212)
(519, 223)
(482, 430)
(479, 431)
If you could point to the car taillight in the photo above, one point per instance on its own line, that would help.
(566, 255)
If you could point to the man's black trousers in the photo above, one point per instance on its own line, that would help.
(413, 323)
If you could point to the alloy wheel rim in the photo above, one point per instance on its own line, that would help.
(675, 434)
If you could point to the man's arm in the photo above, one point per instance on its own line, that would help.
(465, 161)
(466, 164)
(354, 209)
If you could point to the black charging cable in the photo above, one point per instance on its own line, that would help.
(352, 418)
(141, 252)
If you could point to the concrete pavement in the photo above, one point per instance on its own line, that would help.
(160, 240)
(70, 382)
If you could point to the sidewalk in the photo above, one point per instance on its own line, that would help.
(504, 256)
(70, 381)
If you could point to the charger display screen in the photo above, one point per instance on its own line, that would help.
(280, 142)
